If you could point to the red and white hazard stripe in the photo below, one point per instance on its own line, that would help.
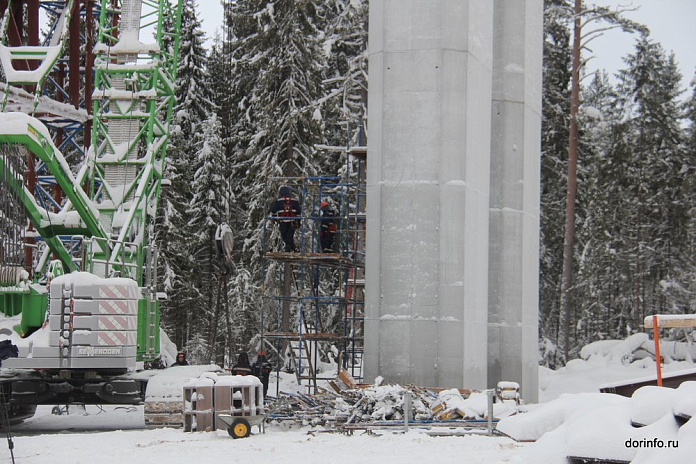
(118, 338)
(117, 307)
(116, 291)
(117, 323)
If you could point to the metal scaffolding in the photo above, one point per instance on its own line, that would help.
(317, 319)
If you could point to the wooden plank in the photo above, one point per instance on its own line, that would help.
(204, 408)
(671, 321)
(437, 407)
(328, 259)
(359, 152)
(334, 386)
(164, 414)
(164, 420)
(347, 379)
(449, 415)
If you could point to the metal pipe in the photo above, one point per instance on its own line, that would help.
(490, 393)
(656, 337)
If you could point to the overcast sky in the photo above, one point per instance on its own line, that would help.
(671, 23)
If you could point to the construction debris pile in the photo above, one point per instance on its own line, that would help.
(350, 403)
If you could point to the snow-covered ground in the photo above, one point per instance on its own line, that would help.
(278, 444)
(571, 418)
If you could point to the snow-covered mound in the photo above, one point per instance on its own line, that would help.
(606, 427)
(609, 362)
(650, 404)
(684, 406)
(636, 347)
(547, 417)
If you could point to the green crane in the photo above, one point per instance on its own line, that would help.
(109, 204)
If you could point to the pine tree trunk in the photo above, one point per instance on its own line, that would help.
(566, 303)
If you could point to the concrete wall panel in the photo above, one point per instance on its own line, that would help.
(424, 343)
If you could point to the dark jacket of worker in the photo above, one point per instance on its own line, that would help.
(242, 367)
(328, 227)
(262, 369)
(286, 209)
(181, 359)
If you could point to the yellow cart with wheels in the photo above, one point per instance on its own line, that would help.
(232, 402)
(240, 426)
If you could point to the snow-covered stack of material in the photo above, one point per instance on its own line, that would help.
(638, 349)
(384, 403)
(359, 405)
(452, 405)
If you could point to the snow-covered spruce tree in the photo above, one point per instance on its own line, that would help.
(207, 210)
(193, 93)
(601, 237)
(554, 154)
(173, 234)
(276, 86)
(565, 306)
(344, 104)
(241, 319)
(690, 188)
(690, 116)
(594, 254)
(655, 207)
(218, 70)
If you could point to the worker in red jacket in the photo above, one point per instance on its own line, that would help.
(287, 211)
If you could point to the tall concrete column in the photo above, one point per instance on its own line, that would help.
(428, 191)
(513, 295)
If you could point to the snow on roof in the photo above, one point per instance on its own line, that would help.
(508, 385)
(648, 378)
(603, 433)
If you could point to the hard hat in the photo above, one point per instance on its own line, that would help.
(324, 203)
